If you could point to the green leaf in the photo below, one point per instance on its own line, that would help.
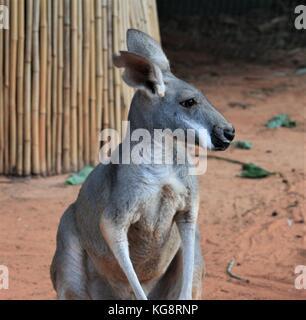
(300, 71)
(240, 144)
(280, 120)
(79, 177)
(252, 171)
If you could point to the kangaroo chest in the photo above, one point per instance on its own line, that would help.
(154, 238)
(156, 214)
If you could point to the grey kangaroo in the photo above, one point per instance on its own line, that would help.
(132, 231)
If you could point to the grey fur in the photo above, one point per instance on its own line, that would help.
(132, 232)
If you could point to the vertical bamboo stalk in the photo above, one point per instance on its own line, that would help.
(74, 84)
(59, 121)
(27, 88)
(49, 92)
(67, 87)
(140, 13)
(99, 71)
(92, 101)
(54, 90)
(43, 81)
(135, 15)
(6, 96)
(13, 68)
(141, 18)
(105, 67)
(123, 14)
(86, 66)
(80, 85)
(128, 89)
(124, 27)
(20, 80)
(35, 89)
(151, 19)
(154, 19)
(131, 14)
(1, 102)
(110, 64)
(144, 16)
(116, 70)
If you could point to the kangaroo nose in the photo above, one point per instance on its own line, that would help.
(221, 137)
(229, 133)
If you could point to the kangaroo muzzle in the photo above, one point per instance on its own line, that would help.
(221, 137)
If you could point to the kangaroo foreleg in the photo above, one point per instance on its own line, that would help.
(116, 238)
(187, 232)
(186, 223)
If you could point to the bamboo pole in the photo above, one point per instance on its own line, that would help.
(144, 10)
(80, 86)
(151, 20)
(128, 89)
(67, 87)
(129, 25)
(43, 82)
(27, 88)
(74, 84)
(13, 68)
(124, 88)
(110, 65)
(6, 95)
(59, 117)
(123, 22)
(105, 66)
(20, 92)
(92, 98)
(99, 72)
(132, 14)
(1, 101)
(117, 81)
(49, 92)
(54, 90)
(35, 90)
(154, 20)
(86, 66)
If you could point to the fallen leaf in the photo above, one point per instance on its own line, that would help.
(252, 171)
(300, 71)
(79, 177)
(241, 144)
(280, 120)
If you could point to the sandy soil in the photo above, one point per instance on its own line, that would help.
(259, 223)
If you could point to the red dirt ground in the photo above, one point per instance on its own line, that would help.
(260, 223)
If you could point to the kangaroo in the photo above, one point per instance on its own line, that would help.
(132, 231)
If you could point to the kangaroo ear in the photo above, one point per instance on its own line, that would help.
(142, 44)
(140, 73)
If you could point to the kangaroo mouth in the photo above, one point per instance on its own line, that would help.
(219, 148)
(219, 144)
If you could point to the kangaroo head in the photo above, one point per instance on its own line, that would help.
(163, 101)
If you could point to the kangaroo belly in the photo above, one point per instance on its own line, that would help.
(151, 254)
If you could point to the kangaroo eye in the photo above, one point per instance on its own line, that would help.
(188, 103)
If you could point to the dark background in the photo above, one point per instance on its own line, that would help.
(252, 30)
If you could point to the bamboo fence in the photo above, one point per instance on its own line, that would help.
(58, 85)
